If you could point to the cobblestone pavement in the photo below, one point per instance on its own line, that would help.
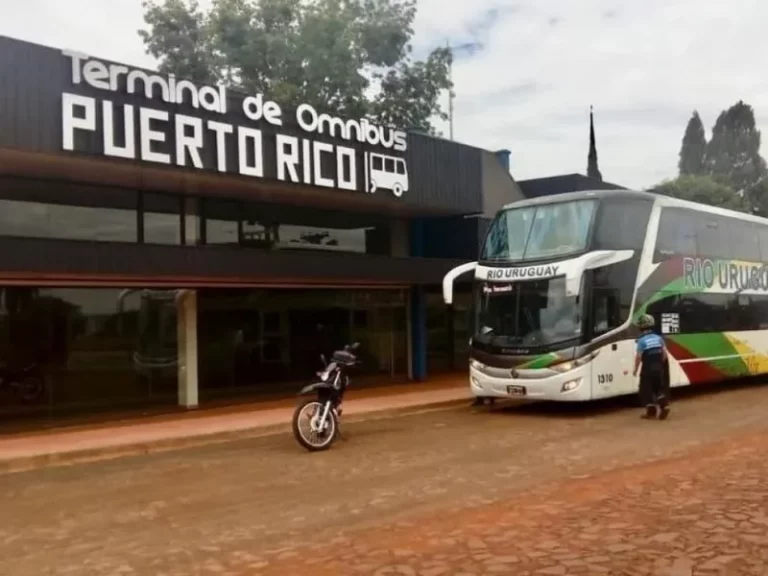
(569, 490)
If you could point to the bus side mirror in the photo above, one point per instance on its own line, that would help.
(451, 276)
(573, 284)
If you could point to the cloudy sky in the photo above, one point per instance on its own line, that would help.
(537, 67)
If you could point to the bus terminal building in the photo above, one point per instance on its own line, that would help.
(164, 243)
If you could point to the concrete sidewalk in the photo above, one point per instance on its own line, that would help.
(143, 435)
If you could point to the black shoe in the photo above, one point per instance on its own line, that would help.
(650, 413)
(664, 413)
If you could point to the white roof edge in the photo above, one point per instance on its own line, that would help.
(660, 199)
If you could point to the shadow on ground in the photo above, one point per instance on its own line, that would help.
(611, 405)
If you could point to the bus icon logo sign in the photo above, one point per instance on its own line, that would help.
(386, 172)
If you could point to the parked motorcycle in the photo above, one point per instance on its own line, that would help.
(27, 383)
(322, 412)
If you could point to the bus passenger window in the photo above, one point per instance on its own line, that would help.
(745, 241)
(389, 165)
(401, 166)
(376, 163)
(712, 237)
(762, 235)
(676, 236)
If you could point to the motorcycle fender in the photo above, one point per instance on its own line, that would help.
(312, 388)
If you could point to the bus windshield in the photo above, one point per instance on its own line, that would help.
(537, 232)
(531, 313)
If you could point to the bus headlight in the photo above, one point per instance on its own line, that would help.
(476, 365)
(564, 366)
(571, 385)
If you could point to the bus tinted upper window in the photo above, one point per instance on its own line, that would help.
(685, 232)
(541, 231)
(762, 236)
(712, 239)
(622, 224)
(677, 234)
(744, 240)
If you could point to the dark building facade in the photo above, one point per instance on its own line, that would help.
(535, 187)
(163, 242)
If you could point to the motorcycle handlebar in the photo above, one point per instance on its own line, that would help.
(347, 348)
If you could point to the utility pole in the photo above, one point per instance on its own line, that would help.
(451, 93)
(470, 47)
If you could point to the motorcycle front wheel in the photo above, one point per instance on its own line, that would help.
(304, 420)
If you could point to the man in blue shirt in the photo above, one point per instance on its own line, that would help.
(652, 354)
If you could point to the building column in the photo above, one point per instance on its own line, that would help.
(186, 306)
(417, 308)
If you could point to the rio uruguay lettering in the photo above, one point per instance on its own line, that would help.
(704, 274)
(522, 273)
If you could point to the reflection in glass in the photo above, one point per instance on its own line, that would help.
(162, 219)
(37, 220)
(289, 237)
(221, 221)
(36, 209)
(193, 228)
(269, 341)
(448, 330)
(98, 348)
(542, 231)
(275, 227)
(534, 313)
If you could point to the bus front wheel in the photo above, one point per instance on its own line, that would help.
(397, 190)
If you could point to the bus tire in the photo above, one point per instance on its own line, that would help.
(372, 188)
(397, 190)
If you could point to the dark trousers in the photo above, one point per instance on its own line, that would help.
(654, 384)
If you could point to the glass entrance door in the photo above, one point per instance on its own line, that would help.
(268, 341)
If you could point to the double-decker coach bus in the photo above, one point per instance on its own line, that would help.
(561, 279)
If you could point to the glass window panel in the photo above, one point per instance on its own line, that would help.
(97, 349)
(294, 228)
(38, 209)
(162, 219)
(540, 231)
(676, 235)
(263, 341)
(221, 221)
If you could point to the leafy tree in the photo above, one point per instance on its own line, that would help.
(733, 153)
(757, 198)
(702, 189)
(693, 148)
(181, 39)
(328, 53)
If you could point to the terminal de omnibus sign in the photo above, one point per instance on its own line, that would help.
(208, 127)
